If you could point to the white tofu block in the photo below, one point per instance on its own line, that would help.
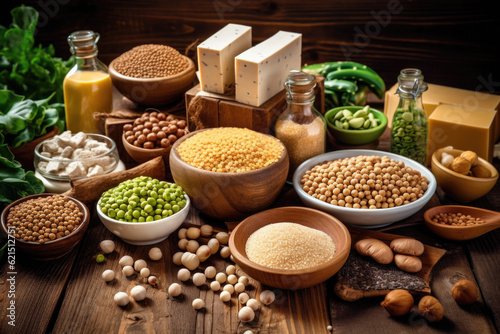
(76, 169)
(216, 57)
(78, 140)
(96, 170)
(261, 71)
(53, 167)
(67, 152)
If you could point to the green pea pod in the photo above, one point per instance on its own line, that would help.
(341, 85)
(373, 80)
(315, 68)
(345, 65)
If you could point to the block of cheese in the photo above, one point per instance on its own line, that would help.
(216, 57)
(463, 128)
(261, 71)
(437, 94)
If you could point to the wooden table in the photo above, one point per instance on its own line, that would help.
(69, 296)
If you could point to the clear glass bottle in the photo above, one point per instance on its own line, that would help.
(301, 128)
(410, 128)
(87, 86)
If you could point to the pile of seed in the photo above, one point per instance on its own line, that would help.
(289, 246)
(456, 219)
(364, 182)
(44, 218)
(150, 61)
(230, 150)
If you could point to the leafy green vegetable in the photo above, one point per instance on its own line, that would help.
(23, 120)
(15, 183)
(30, 71)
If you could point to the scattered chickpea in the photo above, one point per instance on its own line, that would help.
(225, 296)
(190, 260)
(206, 230)
(267, 297)
(213, 244)
(139, 264)
(225, 252)
(138, 293)
(176, 259)
(192, 246)
(231, 269)
(239, 287)
(193, 233)
(153, 280)
(121, 298)
(182, 244)
(203, 253)
(215, 286)
(183, 274)
(232, 279)
(221, 278)
(107, 246)
(229, 288)
(244, 280)
(108, 275)
(253, 303)
(243, 298)
(198, 304)
(199, 279)
(210, 272)
(222, 237)
(155, 254)
(174, 289)
(182, 233)
(145, 272)
(128, 270)
(246, 314)
(126, 260)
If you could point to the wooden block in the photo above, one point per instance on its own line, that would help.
(212, 111)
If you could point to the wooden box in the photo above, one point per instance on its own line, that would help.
(207, 110)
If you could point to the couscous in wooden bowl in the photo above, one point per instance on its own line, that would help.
(291, 279)
(228, 196)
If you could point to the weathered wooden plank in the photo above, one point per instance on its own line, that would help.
(36, 288)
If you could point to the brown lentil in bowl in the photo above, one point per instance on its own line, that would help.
(44, 219)
(150, 61)
(364, 182)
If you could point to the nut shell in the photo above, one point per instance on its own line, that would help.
(431, 309)
(398, 302)
(464, 292)
(461, 165)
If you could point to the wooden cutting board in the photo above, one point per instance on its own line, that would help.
(350, 287)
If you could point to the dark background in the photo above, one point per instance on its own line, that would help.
(454, 43)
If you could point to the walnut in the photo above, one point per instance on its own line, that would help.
(461, 165)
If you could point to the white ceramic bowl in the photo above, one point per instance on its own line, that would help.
(368, 218)
(146, 233)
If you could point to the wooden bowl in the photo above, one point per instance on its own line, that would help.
(53, 249)
(291, 279)
(154, 92)
(461, 188)
(229, 195)
(140, 154)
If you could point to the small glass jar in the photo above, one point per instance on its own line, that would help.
(410, 127)
(301, 128)
(87, 86)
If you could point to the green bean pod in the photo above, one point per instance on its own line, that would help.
(373, 80)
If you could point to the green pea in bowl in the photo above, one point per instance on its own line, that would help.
(352, 126)
(148, 226)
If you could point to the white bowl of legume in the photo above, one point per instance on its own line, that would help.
(145, 216)
(398, 189)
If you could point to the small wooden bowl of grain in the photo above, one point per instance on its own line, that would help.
(295, 255)
(152, 75)
(230, 193)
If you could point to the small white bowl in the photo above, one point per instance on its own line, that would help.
(367, 218)
(146, 233)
